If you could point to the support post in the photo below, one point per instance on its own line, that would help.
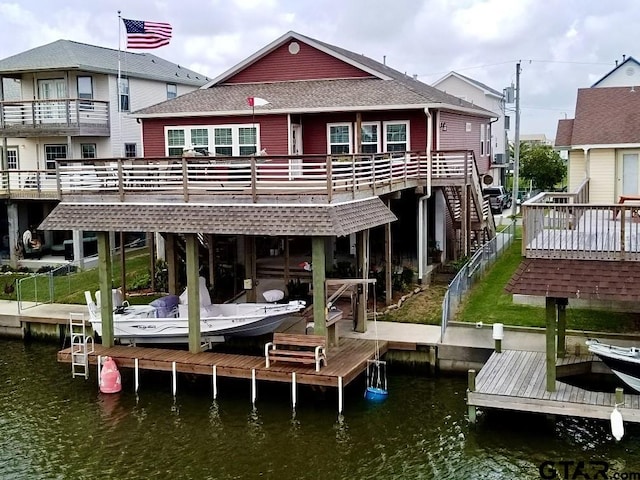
(561, 304)
(551, 343)
(174, 379)
(318, 278)
(619, 396)
(253, 386)
(211, 242)
(214, 377)
(340, 396)
(151, 244)
(123, 267)
(136, 375)
(250, 266)
(193, 289)
(363, 267)
(105, 281)
(172, 265)
(294, 393)
(471, 387)
(388, 279)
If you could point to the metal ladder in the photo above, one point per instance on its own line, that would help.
(81, 345)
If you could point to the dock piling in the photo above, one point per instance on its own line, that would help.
(293, 390)
(136, 375)
(253, 386)
(174, 380)
(340, 399)
(214, 380)
(471, 410)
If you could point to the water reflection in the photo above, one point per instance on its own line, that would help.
(254, 424)
(110, 409)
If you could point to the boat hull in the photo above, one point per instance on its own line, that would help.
(138, 325)
(623, 362)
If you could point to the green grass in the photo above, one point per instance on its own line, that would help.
(424, 308)
(488, 302)
(70, 288)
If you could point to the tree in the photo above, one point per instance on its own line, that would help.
(542, 165)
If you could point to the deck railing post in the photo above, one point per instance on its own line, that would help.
(120, 180)
(353, 177)
(185, 180)
(471, 387)
(58, 184)
(254, 174)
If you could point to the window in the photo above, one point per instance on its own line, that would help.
(88, 150)
(396, 136)
(487, 149)
(130, 150)
(482, 139)
(370, 137)
(200, 140)
(85, 88)
(12, 158)
(222, 140)
(468, 127)
(339, 138)
(247, 140)
(53, 153)
(175, 142)
(124, 94)
(172, 91)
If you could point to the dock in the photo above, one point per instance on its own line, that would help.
(344, 364)
(516, 380)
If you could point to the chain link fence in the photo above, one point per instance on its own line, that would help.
(472, 271)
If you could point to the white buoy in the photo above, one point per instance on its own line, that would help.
(617, 427)
(498, 331)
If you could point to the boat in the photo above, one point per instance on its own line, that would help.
(168, 323)
(623, 361)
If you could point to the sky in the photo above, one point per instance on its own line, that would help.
(562, 45)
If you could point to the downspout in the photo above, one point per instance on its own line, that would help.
(422, 202)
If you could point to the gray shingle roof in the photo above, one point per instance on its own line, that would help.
(241, 219)
(305, 95)
(69, 55)
(324, 95)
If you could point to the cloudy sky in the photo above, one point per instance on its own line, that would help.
(563, 45)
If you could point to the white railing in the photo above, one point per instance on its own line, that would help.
(41, 113)
(562, 226)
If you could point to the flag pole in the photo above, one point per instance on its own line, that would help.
(118, 85)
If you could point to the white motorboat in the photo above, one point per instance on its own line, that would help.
(167, 323)
(624, 362)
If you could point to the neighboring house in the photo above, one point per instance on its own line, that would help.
(62, 101)
(495, 157)
(535, 139)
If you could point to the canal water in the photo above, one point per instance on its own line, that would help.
(56, 427)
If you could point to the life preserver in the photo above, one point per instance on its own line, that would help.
(110, 381)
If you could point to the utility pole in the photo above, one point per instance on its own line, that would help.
(516, 146)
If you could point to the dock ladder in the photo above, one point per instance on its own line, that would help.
(81, 345)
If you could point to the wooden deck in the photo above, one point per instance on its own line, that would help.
(515, 380)
(345, 362)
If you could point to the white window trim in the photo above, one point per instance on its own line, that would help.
(395, 122)
(339, 124)
(17, 150)
(379, 142)
(235, 136)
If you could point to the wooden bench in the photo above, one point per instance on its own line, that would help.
(287, 347)
(635, 208)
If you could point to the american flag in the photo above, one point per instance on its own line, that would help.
(142, 34)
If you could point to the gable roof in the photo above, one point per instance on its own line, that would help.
(389, 89)
(485, 88)
(616, 68)
(604, 116)
(69, 55)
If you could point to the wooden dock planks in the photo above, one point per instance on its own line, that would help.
(347, 361)
(515, 380)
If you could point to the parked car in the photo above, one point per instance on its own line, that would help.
(499, 198)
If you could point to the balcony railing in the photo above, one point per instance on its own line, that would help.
(76, 115)
(565, 226)
(253, 178)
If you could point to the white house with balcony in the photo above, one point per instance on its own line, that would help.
(70, 100)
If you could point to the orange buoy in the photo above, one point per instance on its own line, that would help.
(110, 381)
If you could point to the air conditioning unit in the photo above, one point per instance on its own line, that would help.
(498, 159)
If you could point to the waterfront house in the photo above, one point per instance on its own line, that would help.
(301, 145)
(582, 248)
(61, 101)
(494, 155)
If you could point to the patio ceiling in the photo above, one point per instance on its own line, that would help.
(231, 219)
(573, 279)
